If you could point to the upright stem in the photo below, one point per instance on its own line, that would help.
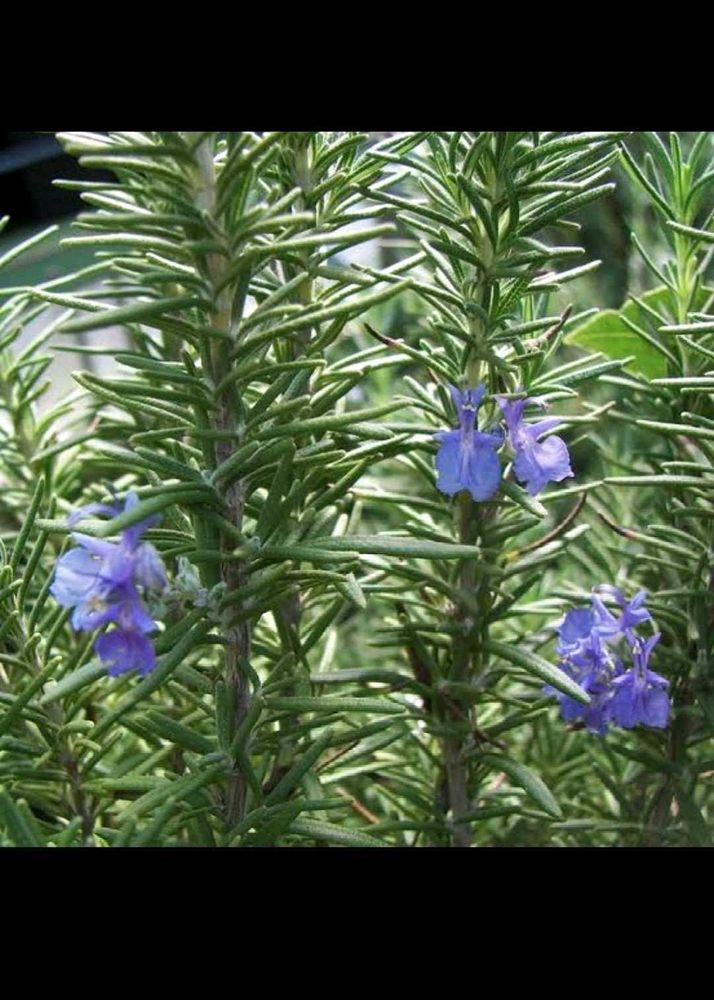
(464, 655)
(233, 573)
(467, 647)
(457, 787)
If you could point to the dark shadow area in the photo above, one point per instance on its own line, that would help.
(29, 163)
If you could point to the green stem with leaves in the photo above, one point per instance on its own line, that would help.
(225, 420)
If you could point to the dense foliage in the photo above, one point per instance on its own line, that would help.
(379, 513)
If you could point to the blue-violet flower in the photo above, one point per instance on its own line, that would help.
(536, 462)
(625, 697)
(640, 695)
(587, 661)
(100, 581)
(633, 613)
(467, 458)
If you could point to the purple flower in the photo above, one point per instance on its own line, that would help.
(640, 695)
(100, 581)
(624, 697)
(595, 716)
(467, 458)
(125, 649)
(591, 665)
(536, 462)
(633, 614)
(131, 555)
(575, 630)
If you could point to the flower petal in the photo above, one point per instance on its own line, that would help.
(607, 625)
(124, 650)
(97, 546)
(607, 588)
(448, 461)
(93, 614)
(656, 708)
(528, 471)
(512, 411)
(149, 569)
(625, 707)
(543, 426)
(640, 699)
(554, 459)
(493, 437)
(89, 509)
(76, 576)
(539, 463)
(576, 626)
(480, 471)
(131, 614)
(456, 397)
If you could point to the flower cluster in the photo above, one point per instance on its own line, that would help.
(100, 580)
(467, 458)
(587, 642)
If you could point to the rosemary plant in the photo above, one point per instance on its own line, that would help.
(288, 569)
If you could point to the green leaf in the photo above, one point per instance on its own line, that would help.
(299, 769)
(268, 833)
(333, 834)
(19, 829)
(154, 505)
(523, 499)
(535, 664)
(390, 545)
(525, 779)
(608, 334)
(16, 251)
(28, 522)
(169, 729)
(296, 704)
(318, 425)
(650, 761)
(137, 312)
(308, 553)
(701, 234)
(87, 674)
(658, 480)
(697, 827)
(350, 588)
(169, 791)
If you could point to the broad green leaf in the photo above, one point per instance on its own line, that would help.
(607, 333)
